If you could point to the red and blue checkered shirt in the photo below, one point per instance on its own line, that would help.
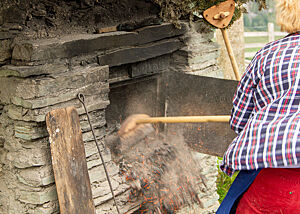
(266, 113)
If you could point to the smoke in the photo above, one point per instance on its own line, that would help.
(160, 170)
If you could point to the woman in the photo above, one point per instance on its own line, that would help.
(266, 117)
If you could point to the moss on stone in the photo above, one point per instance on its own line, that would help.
(173, 10)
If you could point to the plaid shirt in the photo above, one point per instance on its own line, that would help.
(266, 110)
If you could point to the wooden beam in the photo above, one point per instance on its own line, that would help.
(69, 162)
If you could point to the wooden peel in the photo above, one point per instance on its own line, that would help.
(138, 121)
(184, 119)
(220, 16)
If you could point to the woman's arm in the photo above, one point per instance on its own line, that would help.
(243, 104)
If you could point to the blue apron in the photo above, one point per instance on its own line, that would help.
(241, 183)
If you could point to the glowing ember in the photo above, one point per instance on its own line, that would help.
(161, 171)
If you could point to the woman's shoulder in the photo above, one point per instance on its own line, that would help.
(290, 41)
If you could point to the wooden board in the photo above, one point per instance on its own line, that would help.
(210, 13)
(69, 162)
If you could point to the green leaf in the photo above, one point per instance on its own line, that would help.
(174, 10)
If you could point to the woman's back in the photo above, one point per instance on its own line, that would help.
(266, 109)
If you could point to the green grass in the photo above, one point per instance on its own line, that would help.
(224, 183)
(259, 39)
(252, 49)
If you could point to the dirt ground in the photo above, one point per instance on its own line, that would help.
(51, 18)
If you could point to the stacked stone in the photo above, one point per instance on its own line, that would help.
(6, 40)
(200, 54)
(209, 198)
(200, 57)
(48, 74)
(28, 171)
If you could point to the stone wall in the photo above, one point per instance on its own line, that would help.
(27, 175)
(39, 75)
(48, 74)
(200, 57)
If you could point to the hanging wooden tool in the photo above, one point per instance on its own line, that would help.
(220, 16)
(69, 162)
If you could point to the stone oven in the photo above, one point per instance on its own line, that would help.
(108, 50)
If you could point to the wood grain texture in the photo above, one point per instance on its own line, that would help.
(69, 162)
(234, 64)
(210, 13)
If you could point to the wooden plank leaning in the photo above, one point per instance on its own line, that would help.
(69, 162)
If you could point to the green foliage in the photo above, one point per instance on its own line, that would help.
(173, 10)
(224, 183)
(257, 20)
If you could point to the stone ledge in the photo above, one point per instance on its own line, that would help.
(29, 131)
(102, 198)
(27, 71)
(75, 45)
(97, 119)
(38, 115)
(49, 194)
(60, 98)
(105, 204)
(7, 34)
(91, 149)
(101, 189)
(141, 53)
(5, 50)
(30, 157)
(36, 176)
(97, 174)
(88, 136)
(151, 66)
(62, 83)
(48, 208)
(98, 162)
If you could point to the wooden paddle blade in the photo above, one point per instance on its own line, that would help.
(69, 162)
(221, 14)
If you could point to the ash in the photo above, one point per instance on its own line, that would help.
(160, 170)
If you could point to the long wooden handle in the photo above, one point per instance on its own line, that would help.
(185, 119)
(231, 54)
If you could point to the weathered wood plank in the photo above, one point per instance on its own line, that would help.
(69, 163)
